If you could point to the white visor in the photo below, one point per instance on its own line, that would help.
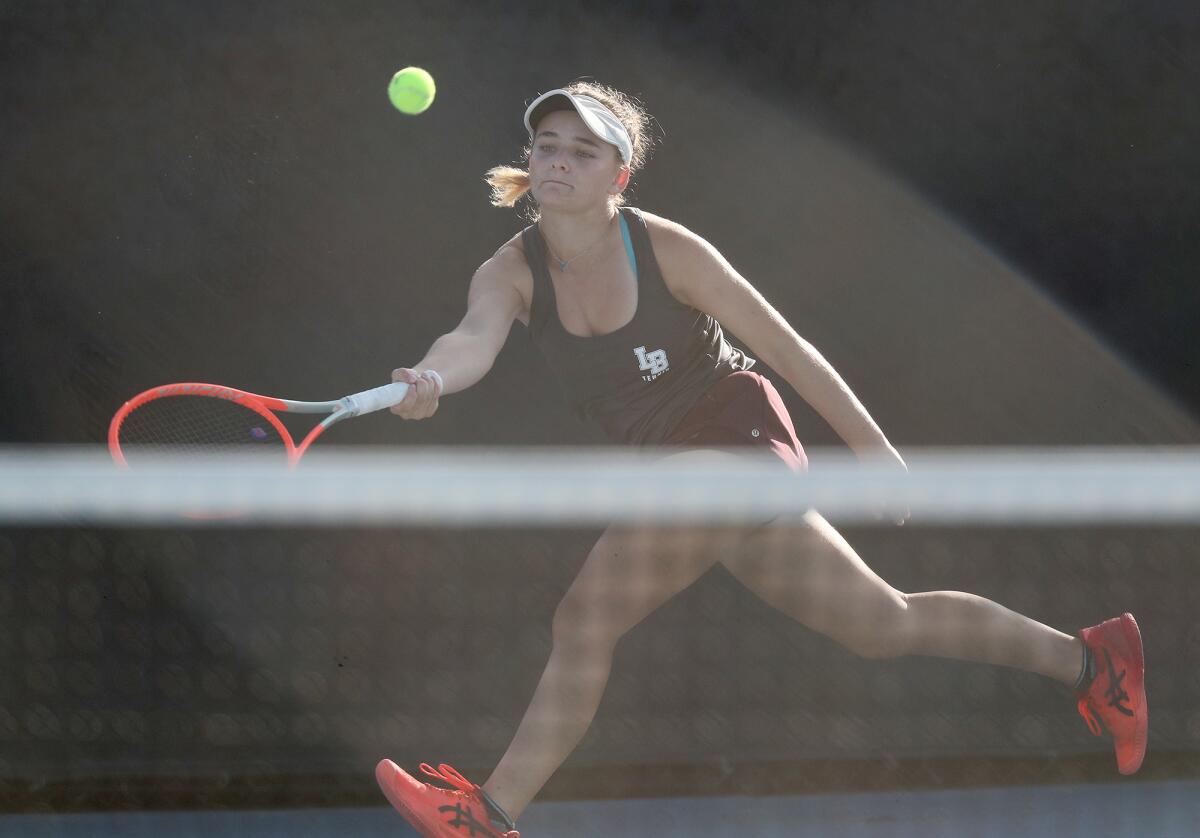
(599, 119)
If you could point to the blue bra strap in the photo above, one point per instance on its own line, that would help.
(628, 245)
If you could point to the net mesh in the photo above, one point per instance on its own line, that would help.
(163, 662)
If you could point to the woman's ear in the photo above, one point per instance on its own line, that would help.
(623, 178)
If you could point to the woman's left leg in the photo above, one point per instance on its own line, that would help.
(806, 569)
(628, 574)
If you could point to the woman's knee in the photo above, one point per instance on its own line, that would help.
(580, 622)
(882, 634)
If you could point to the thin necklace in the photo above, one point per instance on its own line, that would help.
(563, 263)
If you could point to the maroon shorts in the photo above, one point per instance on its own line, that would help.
(743, 408)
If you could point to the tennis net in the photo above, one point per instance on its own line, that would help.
(233, 633)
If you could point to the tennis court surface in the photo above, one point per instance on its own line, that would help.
(1167, 809)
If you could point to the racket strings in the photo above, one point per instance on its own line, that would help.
(195, 425)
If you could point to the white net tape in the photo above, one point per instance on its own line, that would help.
(549, 487)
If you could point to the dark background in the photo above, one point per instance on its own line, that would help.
(228, 169)
(1061, 133)
(219, 191)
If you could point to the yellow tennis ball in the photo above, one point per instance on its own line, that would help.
(411, 90)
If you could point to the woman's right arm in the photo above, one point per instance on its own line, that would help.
(463, 356)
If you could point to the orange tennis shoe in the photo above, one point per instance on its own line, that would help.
(1116, 698)
(436, 812)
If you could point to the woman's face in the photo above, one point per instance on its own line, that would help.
(571, 168)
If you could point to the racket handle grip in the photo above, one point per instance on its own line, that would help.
(379, 398)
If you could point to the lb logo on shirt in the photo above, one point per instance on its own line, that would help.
(653, 363)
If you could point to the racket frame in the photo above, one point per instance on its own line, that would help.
(266, 406)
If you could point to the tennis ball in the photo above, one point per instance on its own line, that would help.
(411, 90)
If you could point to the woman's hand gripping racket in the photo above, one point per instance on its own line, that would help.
(194, 418)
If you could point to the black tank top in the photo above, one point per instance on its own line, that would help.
(635, 383)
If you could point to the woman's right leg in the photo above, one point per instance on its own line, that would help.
(808, 571)
(627, 575)
(805, 568)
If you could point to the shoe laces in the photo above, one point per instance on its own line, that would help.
(450, 775)
(1115, 695)
(1085, 710)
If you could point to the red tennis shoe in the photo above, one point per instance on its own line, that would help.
(1116, 697)
(436, 812)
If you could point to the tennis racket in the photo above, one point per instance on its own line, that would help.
(195, 418)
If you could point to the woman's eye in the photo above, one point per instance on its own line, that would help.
(584, 154)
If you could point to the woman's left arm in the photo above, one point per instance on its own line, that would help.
(699, 276)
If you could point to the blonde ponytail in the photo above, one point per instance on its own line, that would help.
(509, 185)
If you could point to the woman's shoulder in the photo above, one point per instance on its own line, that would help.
(509, 258)
(672, 241)
(508, 267)
(667, 233)
(684, 258)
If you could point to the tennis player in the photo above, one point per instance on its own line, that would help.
(628, 309)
